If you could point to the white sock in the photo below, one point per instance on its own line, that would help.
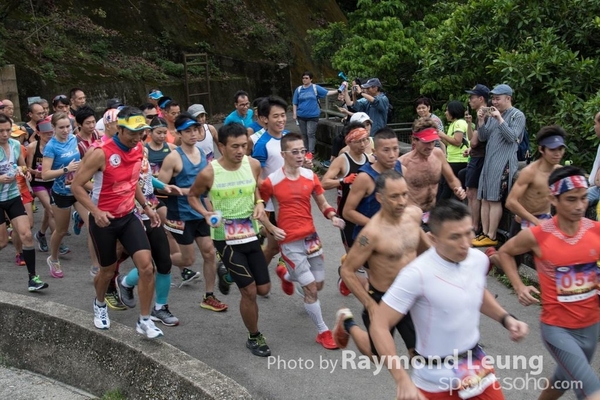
(144, 318)
(158, 306)
(314, 311)
(124, 282)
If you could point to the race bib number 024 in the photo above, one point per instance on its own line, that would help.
(238, 231)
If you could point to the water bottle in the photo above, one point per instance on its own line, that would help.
(215, 219)
(342, 87)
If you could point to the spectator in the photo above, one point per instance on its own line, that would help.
(502, 133)
(374, 102)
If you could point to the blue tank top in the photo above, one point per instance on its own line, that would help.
(369, 205)
(178, 208)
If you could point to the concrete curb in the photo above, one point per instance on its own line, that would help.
(61, 342)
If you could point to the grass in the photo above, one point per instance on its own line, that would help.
(502, 278)
(113, 395)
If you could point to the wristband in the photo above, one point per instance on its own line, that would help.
(147, 204)
(327, 211)
(259, 201)
(503, 319)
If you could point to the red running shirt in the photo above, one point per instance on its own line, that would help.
(568, 274)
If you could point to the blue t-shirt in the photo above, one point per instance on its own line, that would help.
(306, 101)
(237, 118)
(62, 154)
(377, 110)
(255, 126)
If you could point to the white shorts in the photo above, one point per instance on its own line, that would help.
(303, 267)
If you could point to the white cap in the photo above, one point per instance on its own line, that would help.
(360, 117)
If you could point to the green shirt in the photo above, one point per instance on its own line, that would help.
(454, 154)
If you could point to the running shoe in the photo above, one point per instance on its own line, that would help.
(258, 346)
(77, 223)
(41, 241)
(55, 268)
(340, 336)
(484, 241)
(101, 320)
(213, 304)
(36, 284)
(112, 299)
(286, 286)
(325, 339)
(94, 270)
(223, 273)
(62, 250)
(187, 276)
(164, 315)
(126, 293)
(343, 288)
(19, 260)
(148, 329)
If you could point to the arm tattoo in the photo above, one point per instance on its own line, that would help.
(363, 240)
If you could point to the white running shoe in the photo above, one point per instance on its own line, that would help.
(148, 329)
(101, 320)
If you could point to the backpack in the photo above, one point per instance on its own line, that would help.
(315, 90)
(524, 150)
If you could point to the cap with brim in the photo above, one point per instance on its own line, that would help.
(186, 124)
(155, 95)
(480, 90)
(371, 82)
(17, 133)
(196, 109)
(45, 126)
(427, 135)
(134, 123)
(502, 89)
(552, 142)
(361, 117)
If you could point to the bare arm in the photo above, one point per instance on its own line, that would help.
(294, 110)
(516, 193)
(95, 161)
(455, 140)
(452, 180)
(359, 253)
(334, 173)
(170, 167)
(362, 186)
(202, 184)
(48, 173)
(491, 308)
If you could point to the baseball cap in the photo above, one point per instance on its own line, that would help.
(186, 123)
(155, 94)
(163, 101)
(134, 123)
(360, 117)
(427, 135)
(196, 109)
(113, 103)
(45, 125)
(371, 82)
(17, 132)
(110, 116)
(480, 90)
(502, 89)
(552, 142)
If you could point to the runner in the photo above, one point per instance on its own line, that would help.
(566, 250)
(11, 164)
(181, 167)
(447, 280)
(293, 186)
(231, 182)
(112, 214)
(208, 134)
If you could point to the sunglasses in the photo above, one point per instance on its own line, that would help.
(59, 97)
(150, 116)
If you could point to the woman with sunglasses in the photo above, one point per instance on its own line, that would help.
(61, 160)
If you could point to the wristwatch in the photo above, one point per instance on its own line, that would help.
(65, 170)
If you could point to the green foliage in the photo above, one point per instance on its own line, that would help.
(113, 395)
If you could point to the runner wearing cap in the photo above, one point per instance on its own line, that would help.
(566, 251)
(187, 225)
(208, 134)
(111, 104)
(112, 214)
(11, 205)
(424, 165)
(364, 119)
(154, 96)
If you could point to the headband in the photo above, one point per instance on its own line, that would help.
(568, 183)
(356, 134)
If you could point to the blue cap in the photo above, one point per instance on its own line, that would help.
(552, 142)
(502, 89)
(186, 124)
(480, 90)
(155, 94)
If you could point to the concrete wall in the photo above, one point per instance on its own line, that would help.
(61, 342)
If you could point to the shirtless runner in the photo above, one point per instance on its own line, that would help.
(423, 167)
(389, 241)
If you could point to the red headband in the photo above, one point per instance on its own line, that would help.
(356, 134)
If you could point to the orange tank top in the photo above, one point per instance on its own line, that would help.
(568, 274)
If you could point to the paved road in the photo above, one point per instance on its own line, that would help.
(300, 368)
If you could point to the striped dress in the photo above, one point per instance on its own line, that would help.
(502, 142)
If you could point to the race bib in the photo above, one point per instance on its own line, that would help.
(69, 179)
(238, 231)
(175, 226)
(474, 375)
(313, 246)
(155, 169)
(576, 282)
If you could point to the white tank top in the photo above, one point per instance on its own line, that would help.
(207, 144)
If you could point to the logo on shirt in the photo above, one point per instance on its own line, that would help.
(115, 160)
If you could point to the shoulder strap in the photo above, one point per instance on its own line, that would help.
(314, 89)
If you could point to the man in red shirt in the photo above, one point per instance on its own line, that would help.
(566, 250)
(301, 249)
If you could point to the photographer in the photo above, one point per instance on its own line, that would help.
(373, 102)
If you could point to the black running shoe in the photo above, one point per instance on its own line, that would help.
(258, 346)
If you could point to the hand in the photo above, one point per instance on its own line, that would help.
(209, 214)
(525, 297)
(73, 165)
(468, 117)
(102, 218)
(460, 193)
(480, 115)
(357, 89)
(467, 152)
(259, 211)
(173, 189)
(349, 179)
(338, 222)
(408, 391)
(278, 234)
(307, 164)
(518, 329)
(5, 179)
(154, 217)
(494, 113)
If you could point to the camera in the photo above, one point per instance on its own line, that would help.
(487, 111)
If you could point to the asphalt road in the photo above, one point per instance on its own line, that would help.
(299, 367)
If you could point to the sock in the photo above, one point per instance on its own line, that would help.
(253, 336)
(158, 306)
(314, 311)
(100, 303)
(29, 257)
(348, 324)
(144, 318)
(208, 294)
(131, 279)
(40, 234)
(162, 286)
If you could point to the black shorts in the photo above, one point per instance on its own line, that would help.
(159, 246)
(405, 327)
(347, 233)
(245, 262)
(474, 169)
(192, 229)
(62, 201)
(128, 230)
(13, 208)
